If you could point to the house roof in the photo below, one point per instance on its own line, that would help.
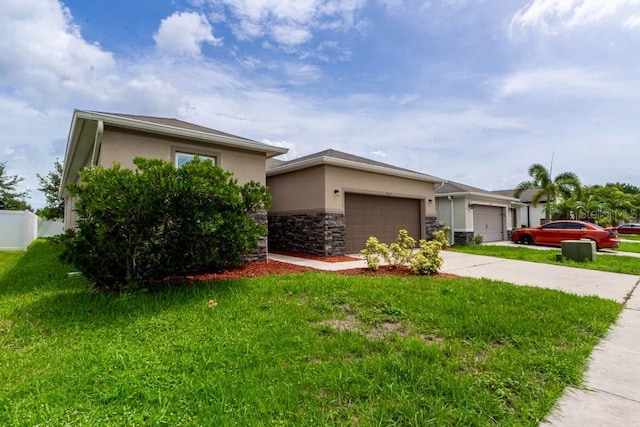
(453, 188)
(339, 158)
(176, 123)
(525, 197)
(87, 127)
(457, 187)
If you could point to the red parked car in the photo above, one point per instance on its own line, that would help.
(554, 232)
(631, 228)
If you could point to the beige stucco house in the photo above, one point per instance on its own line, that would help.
(100, 139)
(470, 211)
(330, 203)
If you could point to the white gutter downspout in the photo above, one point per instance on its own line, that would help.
(97, 142)
(451, 202)
(452, 237)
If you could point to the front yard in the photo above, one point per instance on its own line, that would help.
(610, 263)
(304, 349)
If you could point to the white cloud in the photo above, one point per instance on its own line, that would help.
(289, 23)
(633, 21)
(183, 33)
(554, 82)
(379, 153)
(553, 15)
(289, 35)
(44, 56)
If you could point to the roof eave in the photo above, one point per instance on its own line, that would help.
(327, 160)
(72, 141)
(512, 200)
(126, 122)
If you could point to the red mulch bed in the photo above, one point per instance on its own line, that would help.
(387, 270)
(252, 269)
(263, 268)
(337, 258)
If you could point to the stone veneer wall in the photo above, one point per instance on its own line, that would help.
(509, 234)
(462, 237)
(322, 234)
(431, 225)
(260, 254)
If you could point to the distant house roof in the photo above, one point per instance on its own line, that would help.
(339, 158)
(453, 188)
(525, 197)
(457, 187)
(85, 136)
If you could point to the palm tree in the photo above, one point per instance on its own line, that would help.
(563, 185)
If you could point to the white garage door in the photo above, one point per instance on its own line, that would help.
(487, 221)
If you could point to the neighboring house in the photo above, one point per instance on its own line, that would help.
(330, 203)
(530, 215)
(100, 139)
(471, 211)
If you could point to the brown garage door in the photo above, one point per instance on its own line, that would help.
(487, 220)
(379, 216)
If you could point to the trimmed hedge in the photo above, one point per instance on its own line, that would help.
(136, 227)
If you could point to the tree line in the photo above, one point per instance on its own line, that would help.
(13, 199)
(565, 197)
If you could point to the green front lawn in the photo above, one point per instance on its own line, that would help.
(610, 263)
(629, 237)
(629, 247)
(306, 349)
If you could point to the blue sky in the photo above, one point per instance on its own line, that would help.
(468, 90)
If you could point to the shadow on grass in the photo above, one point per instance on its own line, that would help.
(97, 308)
(39, 269)
(38, 286)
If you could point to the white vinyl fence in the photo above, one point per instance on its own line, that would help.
(19, 228)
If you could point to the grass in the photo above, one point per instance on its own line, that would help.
(307, 349)
(629, 247)
(629, 237)
(610, 263)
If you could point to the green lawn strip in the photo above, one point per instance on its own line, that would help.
(629, 247)
(610, 263)
(308, 349)
(629, 237)
(8, 260)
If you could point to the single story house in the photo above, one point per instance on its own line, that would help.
(327, 203)
(330, 203)
(470, 211)
(100, 139)
(530, 215)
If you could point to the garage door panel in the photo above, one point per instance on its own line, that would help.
(379, 216)
(488, 221)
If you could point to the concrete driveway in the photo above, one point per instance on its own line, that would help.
(578, 281)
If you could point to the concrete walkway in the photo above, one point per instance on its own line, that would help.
(611, 393)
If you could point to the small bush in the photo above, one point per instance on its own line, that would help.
(374, 252)
(442, 236)
(135, 227)
(401, 252)
(428, 259)
(478, 239)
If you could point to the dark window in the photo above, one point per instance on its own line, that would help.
(574, 226)
(554, 226)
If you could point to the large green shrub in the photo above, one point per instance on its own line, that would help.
(135, 227)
